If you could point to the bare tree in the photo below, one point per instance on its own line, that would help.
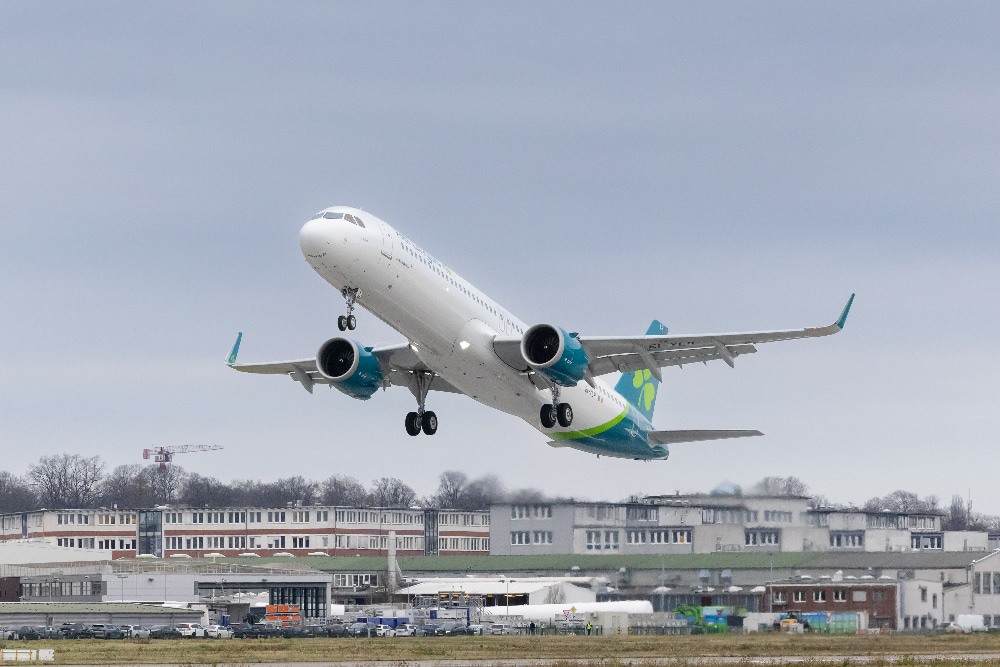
(392, 492)
(16, 494)
(450, 490)
(780, 486)
(957, 517)
(201, 491)
(67, 480)
(482, 492)
(344, 491)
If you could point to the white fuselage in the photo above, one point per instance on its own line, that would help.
(449, 323)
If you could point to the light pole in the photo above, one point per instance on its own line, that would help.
(121, 580)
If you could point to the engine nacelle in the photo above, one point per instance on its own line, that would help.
(555, 354)
(353, 369)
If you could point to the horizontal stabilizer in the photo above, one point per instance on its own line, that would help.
(671, 437)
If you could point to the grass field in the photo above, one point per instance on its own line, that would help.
(613, 649)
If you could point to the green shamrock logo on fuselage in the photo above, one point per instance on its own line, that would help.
(647, 390)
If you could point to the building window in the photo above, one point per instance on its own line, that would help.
(780, 597)
(542, 537)
(520, 537)
(594, 540)
(300, 516)
(276, 517)
(636, 537)
(934, 602)
(611, 539)
(799, 596)
(819, 595)
(840, 595)
(976, 587)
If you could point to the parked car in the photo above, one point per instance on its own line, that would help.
(315, 631)
(500, 629)
(477, 629)
(292, 632)
(336, 630)
(361, 629)
(219, 632)
(76, 631)
(382, 630)
(409, 630)
(450, 629)
(107, 631)
(191, 630)
(8, 633)
(247, 631)
(48, 632)
(164, 632)
(28, 633)
(136, 631)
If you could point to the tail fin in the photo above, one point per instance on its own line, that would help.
(639, 388)
(236, 350)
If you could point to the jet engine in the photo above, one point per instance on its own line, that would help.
(555, 354)
(353, 369)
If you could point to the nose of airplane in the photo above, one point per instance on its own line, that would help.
(313, 237)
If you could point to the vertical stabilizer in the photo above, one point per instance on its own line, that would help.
(639, 388)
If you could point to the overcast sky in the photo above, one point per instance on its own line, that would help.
(721, 167)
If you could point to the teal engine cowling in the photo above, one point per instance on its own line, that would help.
(351, 368)
(555, 354)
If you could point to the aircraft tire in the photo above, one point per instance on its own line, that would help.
(564, 414)
(412, 423)
(352, 322)
(547, 416)
(429, 423)
(342, 323)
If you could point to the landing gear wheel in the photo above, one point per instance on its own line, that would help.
(548, 416)
(429, 423)
(342, 323)
(413, 423)
(352, 322)
(565, 414)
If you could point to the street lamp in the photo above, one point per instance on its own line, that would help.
(121, 578)
(508, 594)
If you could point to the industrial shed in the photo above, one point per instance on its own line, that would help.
(14, 614)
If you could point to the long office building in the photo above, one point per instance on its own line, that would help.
(723, 523)
(232, 531)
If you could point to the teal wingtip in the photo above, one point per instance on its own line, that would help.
(236, 349)
(843, 315)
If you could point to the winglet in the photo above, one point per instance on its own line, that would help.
(236, 349)
(843, 315)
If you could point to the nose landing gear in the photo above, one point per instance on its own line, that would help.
(555, 411)
(345, 322)
(421, 420)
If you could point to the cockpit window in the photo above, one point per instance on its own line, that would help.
(358, 222)
(333, 216)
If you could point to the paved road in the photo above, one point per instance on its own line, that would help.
(633, 662)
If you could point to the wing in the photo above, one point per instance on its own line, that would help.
(671, 437)
(610, 354)
(399, 365)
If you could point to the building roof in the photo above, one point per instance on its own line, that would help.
(559, 563)
(891, 560)
(87, 607)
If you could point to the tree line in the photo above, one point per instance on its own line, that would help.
(71, 481)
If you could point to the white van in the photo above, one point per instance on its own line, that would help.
(500, 629)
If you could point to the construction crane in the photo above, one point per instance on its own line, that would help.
(165, 455)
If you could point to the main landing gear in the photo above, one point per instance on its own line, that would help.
(421, 420)
(555, 411)
(345, 322)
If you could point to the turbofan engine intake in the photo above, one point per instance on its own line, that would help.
(352, 368)
(555, 354)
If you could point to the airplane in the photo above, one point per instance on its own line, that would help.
(460, 340)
